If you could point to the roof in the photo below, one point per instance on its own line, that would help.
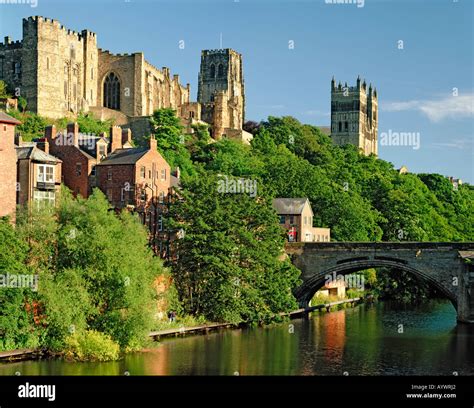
(124, 156)
(4, 118)
(33, 153)
(290, 206)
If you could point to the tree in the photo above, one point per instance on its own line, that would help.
(227, 266)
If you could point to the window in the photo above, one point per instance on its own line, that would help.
(282, 219)
(142, 172)
(45, 173)
(191, 114)
(340, 126)
(112, 92)
(163, 174)
(93, 171)
(92, 95)
(44, 198)
(72, 52)
(162, 197)
(220, 71)
(109, 194)
(160, 223)
(65, 69)
(101, 151)
(47, 63)
(213, 71)
(346, 126)
(292, 219)
(1, 67)
(109, 174)
(17, 69)
(78, 169)
(92, 73)
(74, 71)
(143, 195)
(149, 174)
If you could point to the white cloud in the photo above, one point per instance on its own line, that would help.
(454, 107)
(462, 144)
(316, 113)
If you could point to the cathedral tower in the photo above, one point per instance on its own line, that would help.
(354, 116)
(221, 91)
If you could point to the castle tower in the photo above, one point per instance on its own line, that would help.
(221, 91)
(354, 116)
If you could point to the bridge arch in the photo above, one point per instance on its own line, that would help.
(305, 292)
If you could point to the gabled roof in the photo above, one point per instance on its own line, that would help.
(290, 206)
(33, 153)
(124, 156)
(4, 118)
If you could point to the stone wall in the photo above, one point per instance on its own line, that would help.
(7, 170)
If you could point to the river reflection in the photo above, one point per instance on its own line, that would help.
(378, 339)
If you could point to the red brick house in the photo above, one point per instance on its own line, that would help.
(138, 179)
(80, 154)
(8, 171)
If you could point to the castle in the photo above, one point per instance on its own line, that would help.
(61, 72)
(354, 112)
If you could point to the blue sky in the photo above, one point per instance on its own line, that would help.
(415, 84)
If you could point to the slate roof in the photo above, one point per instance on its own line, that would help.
(124, 156)
(289, 206)
(4, 118)
(33, 153)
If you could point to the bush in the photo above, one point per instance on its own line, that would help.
(91, 345)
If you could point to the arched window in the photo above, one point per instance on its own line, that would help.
(220, 71)
(112, 92)
(213, 71)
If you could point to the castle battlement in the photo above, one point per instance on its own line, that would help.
(8, 44)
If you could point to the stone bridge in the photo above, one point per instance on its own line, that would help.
(447, 266)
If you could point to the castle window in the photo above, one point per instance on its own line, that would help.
(47, 63)
(74, 71)
(112, 92)
(92, 95)
(375, 115)
(220, 71)
(191, 114)
(17, 68)
(213, 71)
(346, 126)
(72, 52)
(340, 126)
(92, 73)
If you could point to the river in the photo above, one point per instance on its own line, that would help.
(378, 339)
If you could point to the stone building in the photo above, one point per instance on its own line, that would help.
(62, 72)
(38, 174)
(296, 218)
(221, 93)
(8, 170)
(354, 116)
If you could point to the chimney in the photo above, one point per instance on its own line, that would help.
(18, 139)
(115, 138)
(73, 134)
(43, 145)
(50, 133)
(153, 144)
(126, 136)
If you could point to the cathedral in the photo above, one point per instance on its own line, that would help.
(354, 111)
(62, 72)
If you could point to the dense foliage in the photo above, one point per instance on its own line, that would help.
(95, 271)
